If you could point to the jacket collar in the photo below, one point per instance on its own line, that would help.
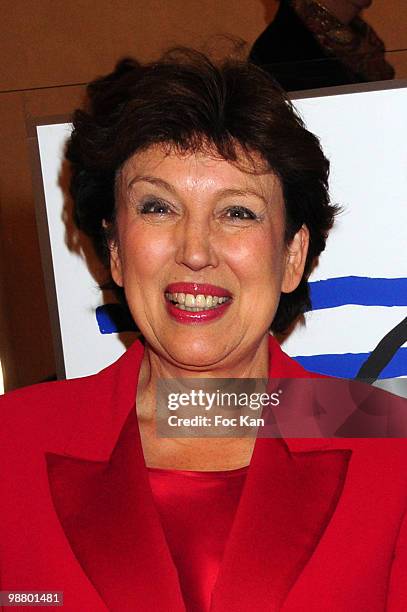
(110, 395)
(103, 500)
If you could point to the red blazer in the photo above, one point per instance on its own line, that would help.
(319, 526)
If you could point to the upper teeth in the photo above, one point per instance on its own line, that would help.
(200, 300)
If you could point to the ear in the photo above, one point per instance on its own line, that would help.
(296, 256)
(116, 264)
(115, 259)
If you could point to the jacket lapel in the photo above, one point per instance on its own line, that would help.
(290, 495)
(101, 494)
(286, 504)
(102, 497)
(107, 513)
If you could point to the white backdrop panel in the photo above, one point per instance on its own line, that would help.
(364, 135)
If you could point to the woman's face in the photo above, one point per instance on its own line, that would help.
(196, 232)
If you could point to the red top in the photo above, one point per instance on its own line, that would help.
(196, 511)
(77, 513)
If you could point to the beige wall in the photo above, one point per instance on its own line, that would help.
(52, 44)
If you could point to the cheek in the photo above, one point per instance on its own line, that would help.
(257, 260)
(144, 253)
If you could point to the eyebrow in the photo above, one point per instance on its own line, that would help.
(242, 193)
(228, 192)
(157, 182)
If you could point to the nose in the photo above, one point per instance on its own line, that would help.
(196, 247)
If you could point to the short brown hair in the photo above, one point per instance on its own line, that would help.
(186, 101)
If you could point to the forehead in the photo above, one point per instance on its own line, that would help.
(201, 170)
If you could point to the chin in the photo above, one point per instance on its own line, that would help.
(197, 356)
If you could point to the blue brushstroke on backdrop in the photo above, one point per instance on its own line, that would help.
(330, 293)
(345, 290)
(348, 364)
(113, 318)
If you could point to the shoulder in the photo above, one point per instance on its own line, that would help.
(47, 412)
(283, 366)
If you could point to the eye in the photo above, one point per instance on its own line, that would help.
(154, 206)
(241, 213)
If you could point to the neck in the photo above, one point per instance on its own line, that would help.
(254, 364)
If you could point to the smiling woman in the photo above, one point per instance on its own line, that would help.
(184, 173)
(207, 199)
(188, 229)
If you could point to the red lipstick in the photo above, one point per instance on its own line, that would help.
(202, 316)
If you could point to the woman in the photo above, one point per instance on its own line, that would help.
(210, 198)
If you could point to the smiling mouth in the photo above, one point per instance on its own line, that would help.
(196, 303)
